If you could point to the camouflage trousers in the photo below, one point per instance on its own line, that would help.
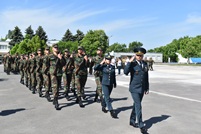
(26, 77)
(67, 80)
(22, 76)
(98, 80)
(80, 81)
(46, 82)
(54, 84)
(73, 81)
(39, 79)
(33, 80)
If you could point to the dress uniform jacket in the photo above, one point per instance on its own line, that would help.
(109, 77)
(139, 76)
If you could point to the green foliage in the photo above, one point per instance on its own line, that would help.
(68, 36)
(94, 39)
(186, 46)
(16, 37)
(79, 36)
(29, 33)
(116, 47)
(9, 35)
(41, 33)
(71, 46)
(133, 45)
(29, 45)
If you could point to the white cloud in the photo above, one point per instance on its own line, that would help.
(193, 18)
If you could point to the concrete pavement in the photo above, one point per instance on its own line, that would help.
(173, 106)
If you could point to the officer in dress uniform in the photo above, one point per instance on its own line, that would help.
(139, 85)
(108, 82)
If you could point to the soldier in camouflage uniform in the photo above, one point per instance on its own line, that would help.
(46, 73)
(67, 73)
(33, 72)
(29, 71)
(4, 62)
(26, 70)
(39, 77)
(80, 63)
(21, 68)
(8, 63)
(56, 60)
(98, 74)
(16, 64)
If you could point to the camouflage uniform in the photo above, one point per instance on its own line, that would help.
(54, 69)
(80, 75)
(98, 77)
(46, 74)
(67, 73)
(21, 69)
(8, 63)
(39, 77)
(33, 73)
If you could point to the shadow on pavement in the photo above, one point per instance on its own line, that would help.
(11, 111)
(154, 120)
(2, 79)
(123, 109)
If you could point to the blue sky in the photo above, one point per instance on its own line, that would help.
(154, 23)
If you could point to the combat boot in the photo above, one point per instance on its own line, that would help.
(74, 93)
(67, 96)
(34, 90)
(96, 98)
(47, 96)
(113, 114)
(80, 102)
(56, 104)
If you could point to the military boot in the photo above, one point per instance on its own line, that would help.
(56, 104)
(47, 96)
(74, 93)
(80, 102)
(33, 90)
(67, 96)
(96, 98)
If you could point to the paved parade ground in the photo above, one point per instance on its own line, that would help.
(172, 107)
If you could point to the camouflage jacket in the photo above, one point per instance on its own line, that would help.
(97, 60)
(56, 65)
(80, 65)
(46, 64)
(21, 64)
(39, 63)
(33, 65)
(69, 66)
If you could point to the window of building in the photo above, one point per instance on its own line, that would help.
(3, 46)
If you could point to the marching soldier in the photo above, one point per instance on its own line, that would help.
(33, 73)
(8, 63)
(80, 63)
(21, 68)
(39, 77)
(55, 62)
(46, 73)
(139, 85)
(67, 73)
(98, 74)
(26, 70)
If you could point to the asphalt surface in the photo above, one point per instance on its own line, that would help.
(172, 106)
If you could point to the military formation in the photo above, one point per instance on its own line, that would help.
(47, 72)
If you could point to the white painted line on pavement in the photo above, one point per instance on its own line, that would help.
(173, 96)
(121, 83)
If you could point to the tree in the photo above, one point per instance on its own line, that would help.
(79, 36)
(9, 35)
(94, 39)
(41, 34)
(16, 37)
(68, 36)
(29, 33)
(116, 47)
(133, 45)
